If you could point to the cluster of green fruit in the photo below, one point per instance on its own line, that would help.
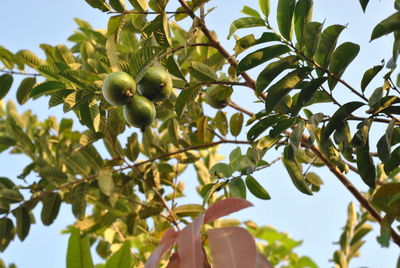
(119, 88)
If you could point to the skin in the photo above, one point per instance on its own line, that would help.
(139, 112)
(213, 102)
(118, 87)
(156, 84)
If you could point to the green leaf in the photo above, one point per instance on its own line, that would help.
(273, 70)
(256, 188)
(237, 188)
(113, 25)
(186, 97)
(250, 12)
(278, 91)
(387, 198)
(46, 88)
(385, 142)
(11, 195)
(302, 15)
(249, 40)
(78, 252)
(327, 44)
(369, 75)
(7, 141)
(393, 162)
(221, 122)
(202, 72)
(6, 81)
(314, 179)
(387, 26)
(99, 4)
(265, 7)
(24, 89)
(260, 56)
(338, 118)
(295, 172)
(160, 28)
(29, 58)
(111, 52)
(311, 37)
(23, 223)
(90, 115)
(189, 210)
(284, 17)
(307, 94)
(51, 207)
(174, 68)
(118, 5)
(141, 5)
(79, 202)
(235, 153)
(121, 258)
(6, 232)
(132, 147)
(341, 59)
(211, 190)
(261, 126)
(246, 22)
(236, 124)
(221, 170)
(364, 4)
(105, 181)
(142, 59)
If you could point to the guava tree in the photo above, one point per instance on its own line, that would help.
(143, 88)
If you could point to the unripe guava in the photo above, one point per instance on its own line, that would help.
(139, 112)
(118, 87)
(216, 98)
(156, 84)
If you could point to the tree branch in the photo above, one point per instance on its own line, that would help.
(233, 62)
(352, 189)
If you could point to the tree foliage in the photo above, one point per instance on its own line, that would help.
(135, 219)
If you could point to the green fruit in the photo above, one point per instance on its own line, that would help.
(139, 112)
(156, 84)
(218, 97)
(118, 87)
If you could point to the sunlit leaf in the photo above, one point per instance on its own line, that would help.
(78, 252)
(121, 258)
(284, 17)
(387, 26)
(264, 6)
(246, 22)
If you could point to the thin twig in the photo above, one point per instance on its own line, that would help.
(165, 205)
(146, 12)
(19, 73)
(241, 109)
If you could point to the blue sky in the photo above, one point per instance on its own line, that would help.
(317, 220)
